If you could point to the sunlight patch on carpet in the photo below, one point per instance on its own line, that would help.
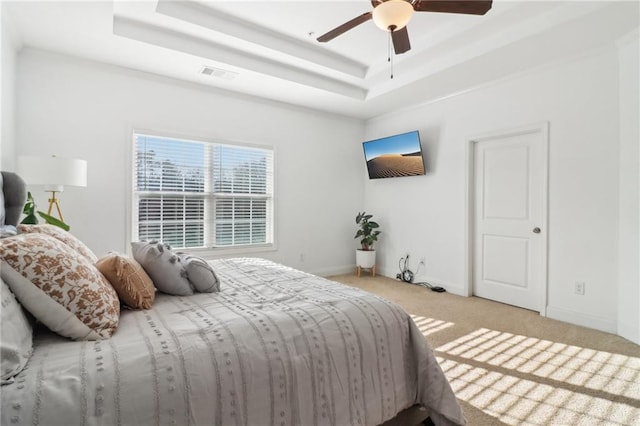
(541, 382)
(602, 371)
(516, 401)
(429, 325)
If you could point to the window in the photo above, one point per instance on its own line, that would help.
(193, 194)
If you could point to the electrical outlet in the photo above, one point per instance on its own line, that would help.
(579, 288)
(301, 257)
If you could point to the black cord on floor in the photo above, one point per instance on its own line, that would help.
(435, 288)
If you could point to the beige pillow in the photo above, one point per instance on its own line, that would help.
(131, 282)
(61, 288)
(63, 236)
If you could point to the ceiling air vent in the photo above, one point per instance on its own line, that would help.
(219, 73)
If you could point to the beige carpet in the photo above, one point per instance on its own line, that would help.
(511, 366)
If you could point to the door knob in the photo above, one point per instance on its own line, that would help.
(536, 230)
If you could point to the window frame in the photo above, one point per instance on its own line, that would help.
(209, 197)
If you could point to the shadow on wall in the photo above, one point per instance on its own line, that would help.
(430, 137)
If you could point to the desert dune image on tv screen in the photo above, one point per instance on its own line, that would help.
(394, 156)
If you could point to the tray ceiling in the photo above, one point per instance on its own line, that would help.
(268, 48)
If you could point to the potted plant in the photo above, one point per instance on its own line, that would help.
(368, 234)
(30, 218)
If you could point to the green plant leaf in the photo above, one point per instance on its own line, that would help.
(28, 210)
(54, 221)
(29, 205)
(366, 230)
(30, 219)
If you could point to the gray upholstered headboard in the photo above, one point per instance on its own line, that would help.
(12, 198)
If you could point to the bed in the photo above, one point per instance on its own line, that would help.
(275, 346)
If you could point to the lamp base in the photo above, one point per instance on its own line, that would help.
(54, 188)
(53, 201)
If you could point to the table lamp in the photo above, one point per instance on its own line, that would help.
(54, 173)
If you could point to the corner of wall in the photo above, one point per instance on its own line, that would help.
(580, 318)
(9, 47)
(629, 186)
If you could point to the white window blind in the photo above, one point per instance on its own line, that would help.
(193, 194)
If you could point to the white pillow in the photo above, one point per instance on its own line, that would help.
(16, 336)
(200, 274)
(163, 266)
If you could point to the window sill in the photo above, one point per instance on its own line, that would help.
(212, 253)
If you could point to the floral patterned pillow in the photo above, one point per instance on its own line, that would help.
(63, 236)
(61, 288)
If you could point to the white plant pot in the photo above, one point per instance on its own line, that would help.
(365, 258)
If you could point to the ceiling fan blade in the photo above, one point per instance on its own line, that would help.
(468, 7)
(344, 27)
(400, 40)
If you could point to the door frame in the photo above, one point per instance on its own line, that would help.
(543, 129)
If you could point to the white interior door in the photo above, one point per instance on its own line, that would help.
(509, 227)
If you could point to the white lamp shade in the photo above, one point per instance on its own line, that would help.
(53, 172)
(392, 13)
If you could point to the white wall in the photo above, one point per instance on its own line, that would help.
(425, 215)
(78, 108)
(629, 226)
(74, 107)
(7, 91)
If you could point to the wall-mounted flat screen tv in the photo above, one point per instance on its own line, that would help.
(394, 156)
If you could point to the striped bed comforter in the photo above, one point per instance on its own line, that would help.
(275, 347)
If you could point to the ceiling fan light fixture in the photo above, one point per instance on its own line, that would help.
(392, 15)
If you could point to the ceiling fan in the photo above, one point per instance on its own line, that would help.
(393, 16)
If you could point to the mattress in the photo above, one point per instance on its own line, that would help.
(276, 346)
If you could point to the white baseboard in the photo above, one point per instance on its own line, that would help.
(629, 332)
(597, 322)
(334, 270)
(385, 272)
